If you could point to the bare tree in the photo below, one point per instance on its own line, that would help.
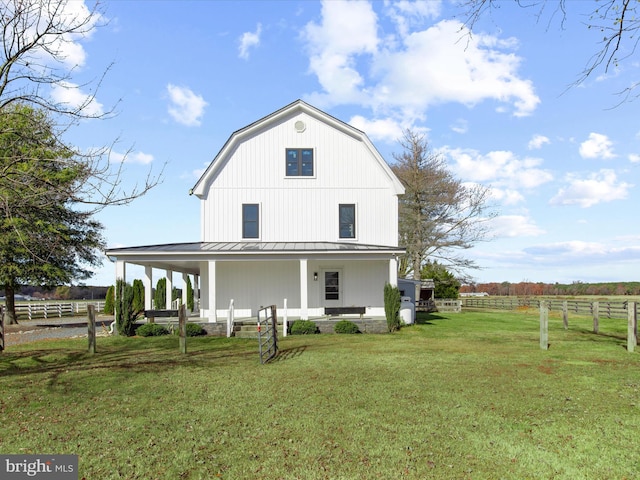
(38, 60)
(40, 174)
(438, 214)
(617, 21)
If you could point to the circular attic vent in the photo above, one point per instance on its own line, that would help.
(300, 126)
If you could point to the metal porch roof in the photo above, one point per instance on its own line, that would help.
(187, 257)
(253, 248)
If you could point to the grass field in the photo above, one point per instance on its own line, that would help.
(459, 396)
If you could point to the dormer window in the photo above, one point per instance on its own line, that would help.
(299, 162)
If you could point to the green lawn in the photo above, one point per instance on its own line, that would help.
(458, 396)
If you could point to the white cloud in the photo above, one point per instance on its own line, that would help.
(566, 258)
(506, 196)
(348, 29)
(575, 248)
(467, 73)
(599, 187)
(500, 168)
(71, 97)
(406, 14)
(383, 129)
(249, 40)
(131, 157)
(141, 157)
(537, 142)
(395, 74)
(186, 107)
(66, 48)
(597, 146)
(514, 226)
(460, 126)
(198, 172)
(634, 158)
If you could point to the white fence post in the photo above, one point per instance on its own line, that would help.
(230, 315)
(544, 325)
(631, 326)
(285, 319)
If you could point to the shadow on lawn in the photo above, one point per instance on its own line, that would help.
(423, 318)
(132, 356)
(289, 353)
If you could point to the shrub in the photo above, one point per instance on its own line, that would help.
(109, 301)
(303, 327)
(160, 295)
(126, 314)
(190, 301)
(345, 326)
(392, 307)
(152, 330)
(193, 330)
(138, 295)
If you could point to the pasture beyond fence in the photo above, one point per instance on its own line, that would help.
(38, 309)
(623, 310)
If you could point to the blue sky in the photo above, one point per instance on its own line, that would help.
(562, 161)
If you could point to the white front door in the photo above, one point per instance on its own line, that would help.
(332, 288)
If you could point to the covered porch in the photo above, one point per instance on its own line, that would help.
(238, 278)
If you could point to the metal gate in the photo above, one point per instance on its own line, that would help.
(267, 333)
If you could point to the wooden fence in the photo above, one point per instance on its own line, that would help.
(602, 308)
(623, 310)
(37, 309)
(448, 305)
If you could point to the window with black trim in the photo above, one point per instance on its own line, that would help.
(299, 162)
(347, 214)
(250, 220)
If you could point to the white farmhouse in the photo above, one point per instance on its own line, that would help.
(298, 206)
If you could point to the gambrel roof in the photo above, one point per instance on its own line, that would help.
(299, 106)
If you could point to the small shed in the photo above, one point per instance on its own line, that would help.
(427, 290)
(407, 287)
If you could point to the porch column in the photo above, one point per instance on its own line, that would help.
(304, 296)
(148, 288)
(185, 278)
(169, 275)
(208, 290)
(393, 271)
(121, 270)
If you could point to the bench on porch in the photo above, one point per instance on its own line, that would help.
(345, 311)
(152, 314)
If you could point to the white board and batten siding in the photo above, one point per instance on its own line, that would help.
(251, 168)
(253, 285)
(346, 171)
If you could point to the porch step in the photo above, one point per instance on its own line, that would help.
(249, 330)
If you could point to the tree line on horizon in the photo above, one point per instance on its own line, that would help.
(63, 292)
(525, 288)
